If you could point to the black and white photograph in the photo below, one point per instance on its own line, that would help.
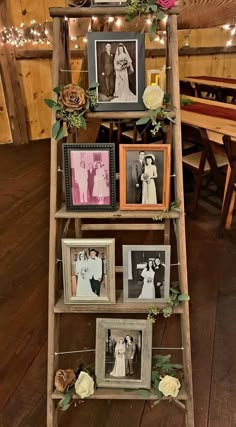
(89, 172)
(146, 273)
(88, 267)
(116, 63)
(144, 176)
(123, 353)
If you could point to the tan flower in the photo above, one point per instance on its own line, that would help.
(63, 379)
(72, 98)
(84, 385)
(153, 97)
(169, 386)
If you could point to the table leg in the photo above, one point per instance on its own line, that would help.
(232, 202)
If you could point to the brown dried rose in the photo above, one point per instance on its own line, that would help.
(63, 379)
(72, 98)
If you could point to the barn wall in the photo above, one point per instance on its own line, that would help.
(35, 75)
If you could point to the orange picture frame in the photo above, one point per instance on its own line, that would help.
(145, 176)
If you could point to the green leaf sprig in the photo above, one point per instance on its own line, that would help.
(175, 299)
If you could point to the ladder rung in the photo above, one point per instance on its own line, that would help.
(129, 227)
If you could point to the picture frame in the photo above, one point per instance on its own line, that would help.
(89, 271)
(116, 61)
(145, 176)
(146, 273)
(123, 362)
(104, 3)
(89, 174)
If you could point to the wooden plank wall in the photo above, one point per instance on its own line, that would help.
(35, 75)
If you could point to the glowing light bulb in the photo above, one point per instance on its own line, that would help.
(46, 32)
(110, 19)
(65, 18)
(118, 22)
(165, 18)
(229, 43)
(94, 18)
(157, 39)
(148, 21)
(233, 31)
(226, 26)
(76, 46)
(85, 39)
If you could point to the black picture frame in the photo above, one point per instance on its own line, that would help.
(109, 91)
(71, 197)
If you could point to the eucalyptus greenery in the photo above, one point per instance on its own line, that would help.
(166, 213)
(145, 7)
(174, 300)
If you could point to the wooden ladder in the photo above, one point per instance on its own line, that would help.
(58, 215)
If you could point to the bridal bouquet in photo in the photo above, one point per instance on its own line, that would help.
(145, 177)
(123, 63)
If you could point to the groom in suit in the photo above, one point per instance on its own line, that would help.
(137, 171)
(108, 72)
(130, 349)
(95, 271)
(158, 276)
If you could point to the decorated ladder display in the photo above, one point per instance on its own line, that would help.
(119, 361)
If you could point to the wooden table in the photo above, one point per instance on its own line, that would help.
(223, 82)
(221, 86)
(216, 127)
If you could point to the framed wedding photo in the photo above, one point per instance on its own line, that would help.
(116, 63)
(146, 274)
(144, 176)
(88, 271)
(89, 171)
(123, 353)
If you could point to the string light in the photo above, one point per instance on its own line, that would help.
(85, 39)
(232, 29)
(110, 19)
(19, 36)
(148, 21)
(118, 22)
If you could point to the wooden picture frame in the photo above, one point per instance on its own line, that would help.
(146, 273)
(116, 61)
(104, 3)
(114, 357)
(89, 271)
(139, 162)
(89, 173)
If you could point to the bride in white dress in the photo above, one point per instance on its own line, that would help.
(119, 366)
(148, 290)
(83, 285)
(123, 67)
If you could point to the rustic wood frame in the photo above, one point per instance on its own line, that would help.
(145, 326)
(109, 244)
(166, 176)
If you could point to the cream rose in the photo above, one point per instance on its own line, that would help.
(153, 97)
(169, 386)
(84, 385)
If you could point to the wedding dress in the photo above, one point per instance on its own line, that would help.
(123, 63)
(148, 290)
(83, 288)
(119, 366)
(149, 195)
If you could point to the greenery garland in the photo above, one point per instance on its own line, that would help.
(174, 300)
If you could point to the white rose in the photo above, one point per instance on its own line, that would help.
(84, 385)
(153, 97)
(169, 386)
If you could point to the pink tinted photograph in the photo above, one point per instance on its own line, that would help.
(89, 176)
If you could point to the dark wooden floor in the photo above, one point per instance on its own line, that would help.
(24, 212)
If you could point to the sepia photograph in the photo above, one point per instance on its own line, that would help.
(146, 276)
(119, 70)
(88, 270)
(144, 176)
(123, 353)
(89, 176)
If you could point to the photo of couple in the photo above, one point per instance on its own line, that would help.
(123, 354)
(144, 177)
(89, 277)
(90, 177)
(116, 71)
(146, 272)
